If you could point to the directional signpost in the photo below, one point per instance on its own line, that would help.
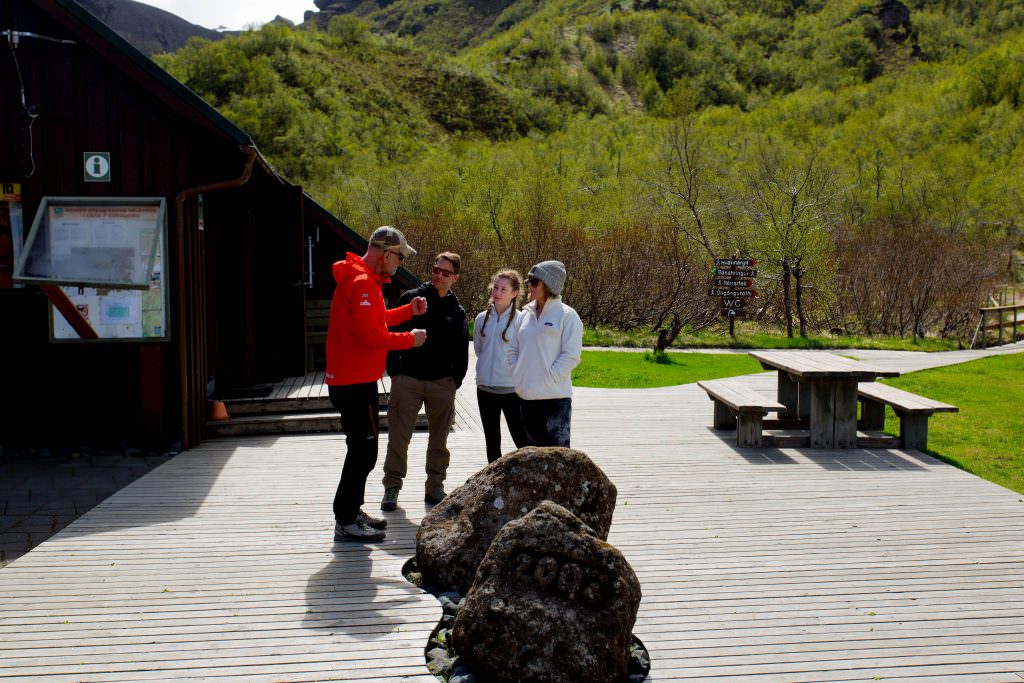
(732, 279)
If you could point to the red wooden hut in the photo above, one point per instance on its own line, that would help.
(239, 238)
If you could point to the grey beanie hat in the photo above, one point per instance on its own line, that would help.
(552, 274)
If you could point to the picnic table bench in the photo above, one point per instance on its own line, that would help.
(821, 388)
(739, 408)
(912, 410)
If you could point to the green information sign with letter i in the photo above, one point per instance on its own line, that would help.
(96, 167)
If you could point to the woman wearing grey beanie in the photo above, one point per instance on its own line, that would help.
(544, 350)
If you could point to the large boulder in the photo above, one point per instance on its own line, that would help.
(551, 603)
(455, 534)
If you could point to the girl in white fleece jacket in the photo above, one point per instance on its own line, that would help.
(493, 330)
(543, 353)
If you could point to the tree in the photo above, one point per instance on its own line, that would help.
(682, 190)
(791, 206)
(679, 182)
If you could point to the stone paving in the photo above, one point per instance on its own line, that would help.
(43, 490)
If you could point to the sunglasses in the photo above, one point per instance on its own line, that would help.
(532, 281)
(400, 255)
(437, 270)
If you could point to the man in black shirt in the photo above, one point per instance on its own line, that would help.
(427, 375)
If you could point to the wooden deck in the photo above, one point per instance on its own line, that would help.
(766, 565)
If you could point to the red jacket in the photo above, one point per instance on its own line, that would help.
(358, 340)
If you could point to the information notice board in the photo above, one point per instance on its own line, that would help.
(108, 257)
(118, 313)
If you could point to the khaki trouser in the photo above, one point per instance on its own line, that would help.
(407, 395)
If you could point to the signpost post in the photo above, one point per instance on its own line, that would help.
(732, 279)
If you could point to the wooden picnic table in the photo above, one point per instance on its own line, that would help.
(820, 389)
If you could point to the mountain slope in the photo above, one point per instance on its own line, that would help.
(150, 29)
(445, 25)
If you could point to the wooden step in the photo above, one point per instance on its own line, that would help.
(289, 423)
(267, 406)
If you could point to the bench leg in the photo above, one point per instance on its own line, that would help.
(914, 430)
(872, 414)
(724, 417)
(795, 396)
(748, 429)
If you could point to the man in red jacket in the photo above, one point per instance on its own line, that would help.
(358, 341)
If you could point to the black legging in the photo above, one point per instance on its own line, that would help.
(491, 407)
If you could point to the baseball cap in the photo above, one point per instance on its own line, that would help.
(391, 239)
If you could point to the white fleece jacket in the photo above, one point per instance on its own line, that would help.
(544, 350)
(492, 368)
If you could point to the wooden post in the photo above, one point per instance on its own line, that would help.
(724, 417)
(151, 383)
(67, 309)
(984, 330)
(822, 414)
(872, 414)
(844, 410)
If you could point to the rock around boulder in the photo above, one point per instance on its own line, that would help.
(455, 534)
(551, 602)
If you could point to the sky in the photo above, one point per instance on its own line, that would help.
(233, 14)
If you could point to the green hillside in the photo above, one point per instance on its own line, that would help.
(444, 26)
(868, 154)
(596, 54)
(307, 96)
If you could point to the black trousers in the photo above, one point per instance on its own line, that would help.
(491, 407)
(547, 421)
(357, 404)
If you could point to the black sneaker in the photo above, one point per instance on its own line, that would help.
(434, 498)
(372, 522)
(357, 531)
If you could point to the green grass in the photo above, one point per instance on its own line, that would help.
(629, 369)
(749, 336)
(986, 437)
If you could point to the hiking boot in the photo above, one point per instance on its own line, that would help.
(357, 531)
(372, 522)
(435, 497)
(390, 500)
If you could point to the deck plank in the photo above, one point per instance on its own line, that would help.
(769, 565)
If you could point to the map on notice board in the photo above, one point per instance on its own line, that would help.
(118, 313)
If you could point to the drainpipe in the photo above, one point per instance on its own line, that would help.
(183, 196)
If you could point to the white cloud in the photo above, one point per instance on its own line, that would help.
(234, 14)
